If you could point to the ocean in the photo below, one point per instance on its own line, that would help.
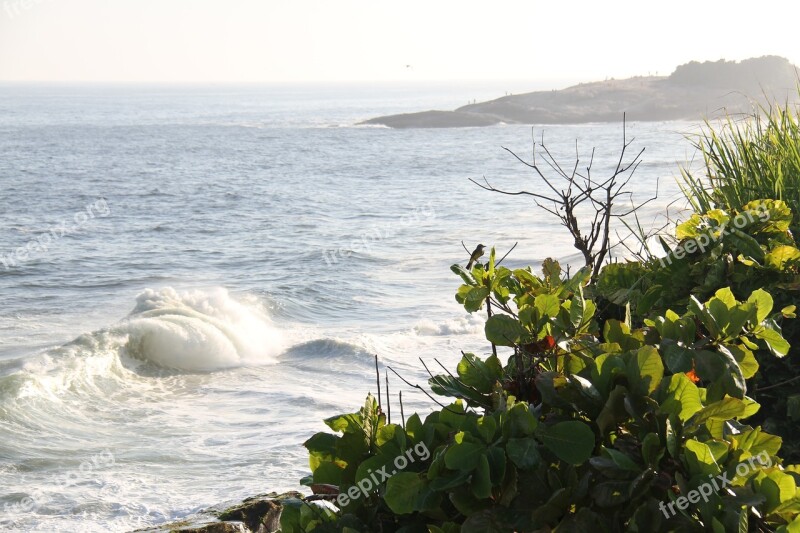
(194, 277)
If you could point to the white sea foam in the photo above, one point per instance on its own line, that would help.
(465, 325)
(200, 330)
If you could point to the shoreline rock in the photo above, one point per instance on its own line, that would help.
(258, 514)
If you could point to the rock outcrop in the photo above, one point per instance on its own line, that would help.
(259, 514)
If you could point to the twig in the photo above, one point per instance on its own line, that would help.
(776, 385)
(508, 252)
(388, 400)
(378, 380)
(489, 315)
(415, 386)
(402, 414)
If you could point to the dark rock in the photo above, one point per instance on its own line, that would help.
(212, 527)
(435, 119)
(259, 514)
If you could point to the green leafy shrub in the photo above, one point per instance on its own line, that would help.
(585, 425)
(745, 250)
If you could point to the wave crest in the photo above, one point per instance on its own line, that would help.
(199, 330)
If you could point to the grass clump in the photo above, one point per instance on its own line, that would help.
(747, 159)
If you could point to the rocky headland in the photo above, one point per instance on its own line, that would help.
(693, 91)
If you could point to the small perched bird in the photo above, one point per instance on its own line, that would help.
(475, 256)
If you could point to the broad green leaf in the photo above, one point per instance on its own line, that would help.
(527, 278)
(464, 273)
(746, 244)
(482, 375)
(547, 304)
(497, 463)
(775, 342)
(454, 416)
(620, 459)
(523, 452)
(782, 256)
(763, 302)
(487, 426)
(700, 459)
(481, 479)
(652, 451)
(463, 455)
(329, 473)
(618, 332)
(726, 296)
(576, 310)
(473, 299)
(450, 386)
(733, 380)
(724, 409)
(613, 411)
(518, 421)
(682, 397)
(570, 441)
(756, 441)
(777, 486)
(677, 358)
(650, 368)
(402, 491)
(552, 271)
(739, 316)
(323, 443)
(504, 330)
(700, 311)
(611, 493)
(689, 228)
(349, 423)
(671, 438)
(747, 361)
(480, 522)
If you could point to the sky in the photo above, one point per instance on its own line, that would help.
(267, 41)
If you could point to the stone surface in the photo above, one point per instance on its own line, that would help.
(259, 514)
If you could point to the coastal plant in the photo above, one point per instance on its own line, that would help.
(576, 423)
(746, 159)
(746, 249)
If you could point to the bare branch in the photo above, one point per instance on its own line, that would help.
(508, 252)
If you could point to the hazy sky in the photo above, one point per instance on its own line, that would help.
(373, 40)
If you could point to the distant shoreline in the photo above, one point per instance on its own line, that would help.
(693, 91)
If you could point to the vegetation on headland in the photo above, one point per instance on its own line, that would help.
(693, 89)
(662, 395)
